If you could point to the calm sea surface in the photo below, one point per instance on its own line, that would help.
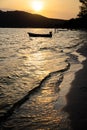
(28, 63)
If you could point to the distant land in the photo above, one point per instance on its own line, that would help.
(21, 19)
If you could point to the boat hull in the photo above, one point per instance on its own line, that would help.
(40, 35)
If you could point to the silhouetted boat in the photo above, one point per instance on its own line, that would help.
(40, 35)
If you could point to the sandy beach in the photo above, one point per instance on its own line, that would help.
(75, 82)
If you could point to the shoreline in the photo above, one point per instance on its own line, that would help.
(76, 97)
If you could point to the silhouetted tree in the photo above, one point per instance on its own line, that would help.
(83, 9)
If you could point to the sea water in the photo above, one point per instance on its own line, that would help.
(31, 71)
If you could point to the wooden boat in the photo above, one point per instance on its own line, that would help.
(40, 35)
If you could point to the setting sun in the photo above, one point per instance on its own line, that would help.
(37, 5)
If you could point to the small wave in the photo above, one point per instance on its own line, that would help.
(47, 48)
(6, 80)
(73, 58)
(23, 57)
(73, 46)
(2, 58)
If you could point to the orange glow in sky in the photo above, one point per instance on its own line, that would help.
(37, 5)
(62, 9)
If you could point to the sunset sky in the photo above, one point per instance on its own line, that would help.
(63, 9)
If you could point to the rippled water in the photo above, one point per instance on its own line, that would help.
(31, 70)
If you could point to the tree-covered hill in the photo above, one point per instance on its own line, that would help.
(24, 19)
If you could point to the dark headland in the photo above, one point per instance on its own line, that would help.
(23, 19)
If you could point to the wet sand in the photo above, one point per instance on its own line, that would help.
(76, 98)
